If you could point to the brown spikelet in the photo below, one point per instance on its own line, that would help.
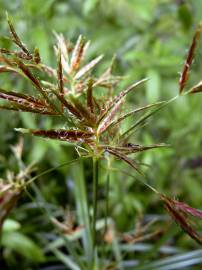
(37, 84)
(22, 102)
(106, 122)
(178, 211)
(77, 54)
(184, 207)
(185, 72)
(88, 67)
(64, 48)
(60, 76)
(90, 96)
(61, 134)
(19, 97)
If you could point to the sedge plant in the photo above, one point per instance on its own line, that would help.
(90, 122)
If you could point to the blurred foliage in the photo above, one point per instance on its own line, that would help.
(150, 39)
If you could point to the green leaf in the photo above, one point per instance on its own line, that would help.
(22, 245)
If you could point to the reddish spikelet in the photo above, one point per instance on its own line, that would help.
(178, 211)
(185, 73)
(187, 209)
(63, 135)
(25, 103)
(60, 77)
(77, 54)
(64, 48)
(88, 67)
(36, 83)
(90, 96)
(60, 74)
(22, 108)
(19, 97)
(106, 122)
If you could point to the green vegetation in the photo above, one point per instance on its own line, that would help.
(118, 150)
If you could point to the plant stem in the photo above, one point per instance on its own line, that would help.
(83, 210)
(107, 202)
(107, 187)
(95, 199)
(107, 194)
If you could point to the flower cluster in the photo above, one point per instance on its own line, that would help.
(70, 93)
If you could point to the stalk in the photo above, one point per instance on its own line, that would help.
(83, 210)
(95, 202)
(106, 214)
(107, 201)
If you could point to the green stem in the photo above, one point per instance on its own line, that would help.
(107, 202)
(107, 194)
(83, 210)
(95, 200)
(107, 189)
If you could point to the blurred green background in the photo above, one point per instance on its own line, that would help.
(150, 39)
